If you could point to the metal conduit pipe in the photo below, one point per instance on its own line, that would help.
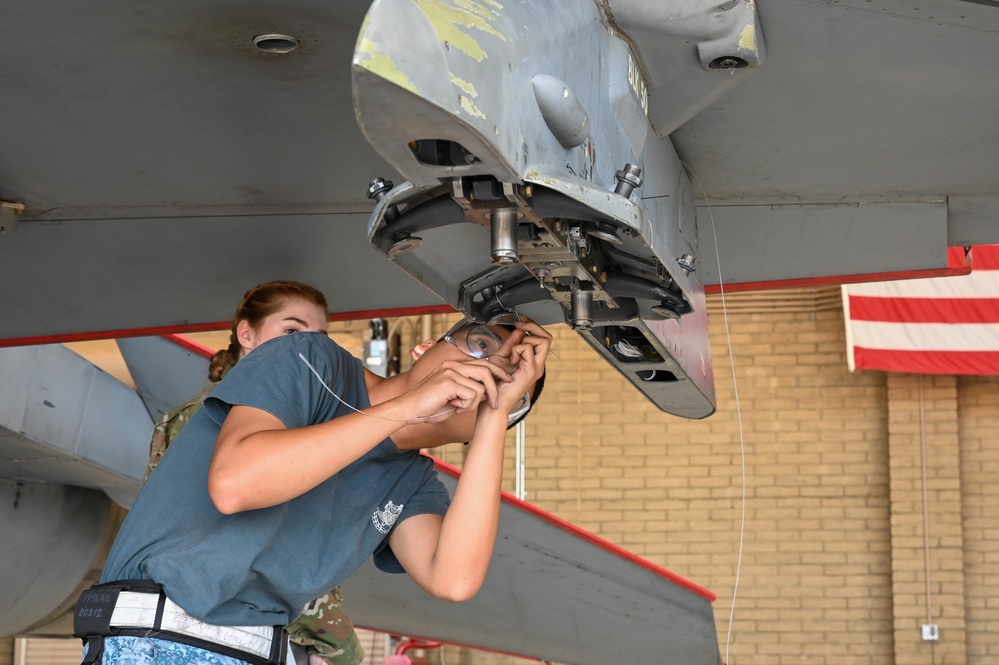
(442, 211)
(521, 293)
(621, 285)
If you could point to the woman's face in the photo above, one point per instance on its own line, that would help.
(292, 316)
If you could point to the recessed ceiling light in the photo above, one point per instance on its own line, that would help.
(275, 42)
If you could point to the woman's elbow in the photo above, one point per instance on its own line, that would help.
(457, 590)
(225, 495)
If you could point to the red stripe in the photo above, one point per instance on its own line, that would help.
(836, 280)
(957, 257)
(985, 257)
(927, 362)
(924, 310)
(574, 530)
(190, 345)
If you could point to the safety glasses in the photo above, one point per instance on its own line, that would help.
(481, 340)
(485, 340)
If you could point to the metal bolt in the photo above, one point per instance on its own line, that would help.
(686, 263)
(628, 179)
(729, 62)
(378, 188)
(403, 242)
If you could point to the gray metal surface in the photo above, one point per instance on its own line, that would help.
(158, 115)
(551, 593)
(65, 422)
(51, 534)
(857, 98)
(165, 373)
(856, 239)
(108, 274)
(71, 436)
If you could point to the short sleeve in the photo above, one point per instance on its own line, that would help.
(280, 377)
(432, 498)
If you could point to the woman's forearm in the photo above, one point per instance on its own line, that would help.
(259, 463)
(468, 531)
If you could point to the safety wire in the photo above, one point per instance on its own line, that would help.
(738, 412)
(364, 413)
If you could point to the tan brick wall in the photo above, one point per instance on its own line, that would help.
(816, 574)
(979, 400)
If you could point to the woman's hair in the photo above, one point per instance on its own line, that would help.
(539, 385)
(257, 304)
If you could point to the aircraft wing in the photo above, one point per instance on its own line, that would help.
(553, 592)
(165, 163)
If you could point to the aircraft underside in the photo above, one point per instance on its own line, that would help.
(598, 163)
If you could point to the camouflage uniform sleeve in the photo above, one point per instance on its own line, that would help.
(169, 426)
(327, 632)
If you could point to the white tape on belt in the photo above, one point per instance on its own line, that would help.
(138, 610)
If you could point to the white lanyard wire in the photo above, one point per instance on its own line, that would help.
(364, 413)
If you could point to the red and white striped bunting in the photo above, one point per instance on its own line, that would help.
(940, 325)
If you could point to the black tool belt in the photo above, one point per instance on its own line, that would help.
(139, 608)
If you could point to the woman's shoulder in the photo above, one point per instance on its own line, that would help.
(301, 342)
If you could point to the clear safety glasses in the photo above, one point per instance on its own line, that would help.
(481, 340)
(485, 340)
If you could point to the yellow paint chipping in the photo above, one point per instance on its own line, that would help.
(450, 19)
(469, 107)
(467, 100)
(368, 55)
(466, 86)
(747, 40)
(479, 8)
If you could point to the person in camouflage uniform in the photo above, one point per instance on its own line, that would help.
(323, 634)
(169, 426)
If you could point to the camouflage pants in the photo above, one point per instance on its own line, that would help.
(323, 631)
(326, 632)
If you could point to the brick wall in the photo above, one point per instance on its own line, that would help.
(979, 452)
(833, 569)
(816, 574)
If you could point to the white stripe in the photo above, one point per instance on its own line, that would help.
(850, 361)
(926, 336)
(979, 284)
(138, 610)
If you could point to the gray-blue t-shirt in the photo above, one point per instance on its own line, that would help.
(260, 567)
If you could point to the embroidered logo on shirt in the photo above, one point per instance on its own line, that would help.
(384, 519)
